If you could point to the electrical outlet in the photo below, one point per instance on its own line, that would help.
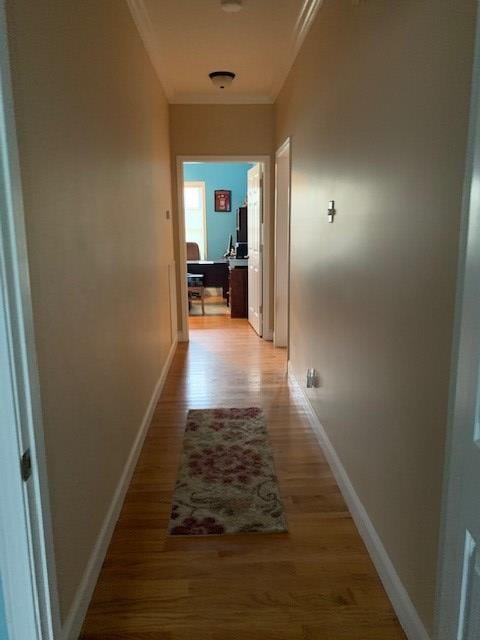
(312, 378)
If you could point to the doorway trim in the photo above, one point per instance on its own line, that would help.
(28, 567)
(281, 304)
(452, 570)
(266, 235)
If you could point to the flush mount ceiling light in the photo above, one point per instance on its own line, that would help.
(221, 79)
(231, 6)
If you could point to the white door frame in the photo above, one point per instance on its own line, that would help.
(265, 161)
(463, 386)
(282, 252)
(255, 248)
(26, 545)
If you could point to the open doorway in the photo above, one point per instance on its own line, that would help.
(223, 239)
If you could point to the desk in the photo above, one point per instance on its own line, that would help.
(215, 273)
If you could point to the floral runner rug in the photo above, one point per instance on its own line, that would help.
(226, 481)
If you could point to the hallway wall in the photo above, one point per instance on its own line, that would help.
(377, 107)
(220, 129)
(94, 150)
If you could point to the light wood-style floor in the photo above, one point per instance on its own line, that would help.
(314, 582)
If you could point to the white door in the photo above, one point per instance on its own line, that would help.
(27, 570)
(254, 232)
(459, 603)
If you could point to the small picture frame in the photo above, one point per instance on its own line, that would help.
(223, 200)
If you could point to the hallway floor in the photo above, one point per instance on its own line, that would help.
(314, 583)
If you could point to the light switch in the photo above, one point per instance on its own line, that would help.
(331, 211)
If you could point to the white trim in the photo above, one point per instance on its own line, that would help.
(404, 608)
(306, 16)
(76, 615)
(183, 334)
(267, 312)
(267, 333)
(220, 98)
(284, 147)
(147, 33)
(305, 19)
(448, 609)
(172, 286)
(15, 551)
(282, 254)
(26, 531)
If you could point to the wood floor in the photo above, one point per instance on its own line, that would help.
(314, 582)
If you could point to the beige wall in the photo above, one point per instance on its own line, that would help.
(220, 130)
(377, 106)
(94, 149)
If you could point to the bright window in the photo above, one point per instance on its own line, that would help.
(195, 215)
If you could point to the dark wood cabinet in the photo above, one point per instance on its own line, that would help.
(239, 292)
(242, 221)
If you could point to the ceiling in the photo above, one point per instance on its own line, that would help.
(187, 39)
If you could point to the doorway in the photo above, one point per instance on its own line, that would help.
(224, 260)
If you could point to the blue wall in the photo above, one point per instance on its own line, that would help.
(3, 624)
(220, 175)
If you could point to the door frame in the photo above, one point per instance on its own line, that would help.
(201, 184)
(447, 624)
(255, 266)
(282, 240)
(27, 563)
(265, 160)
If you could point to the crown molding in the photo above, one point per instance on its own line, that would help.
(223, 99)
(306, 16)
(145, 28)
(140, 15)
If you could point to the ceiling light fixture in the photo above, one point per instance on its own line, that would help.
(221, 79)
(231, 6)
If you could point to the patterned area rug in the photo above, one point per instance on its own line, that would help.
(226, 481)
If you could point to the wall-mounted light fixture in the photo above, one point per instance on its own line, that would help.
(221, 79)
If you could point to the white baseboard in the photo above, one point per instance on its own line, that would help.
(182, 336)
(404, 608)
(74, 620)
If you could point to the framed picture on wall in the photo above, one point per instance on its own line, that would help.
(223, 200)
